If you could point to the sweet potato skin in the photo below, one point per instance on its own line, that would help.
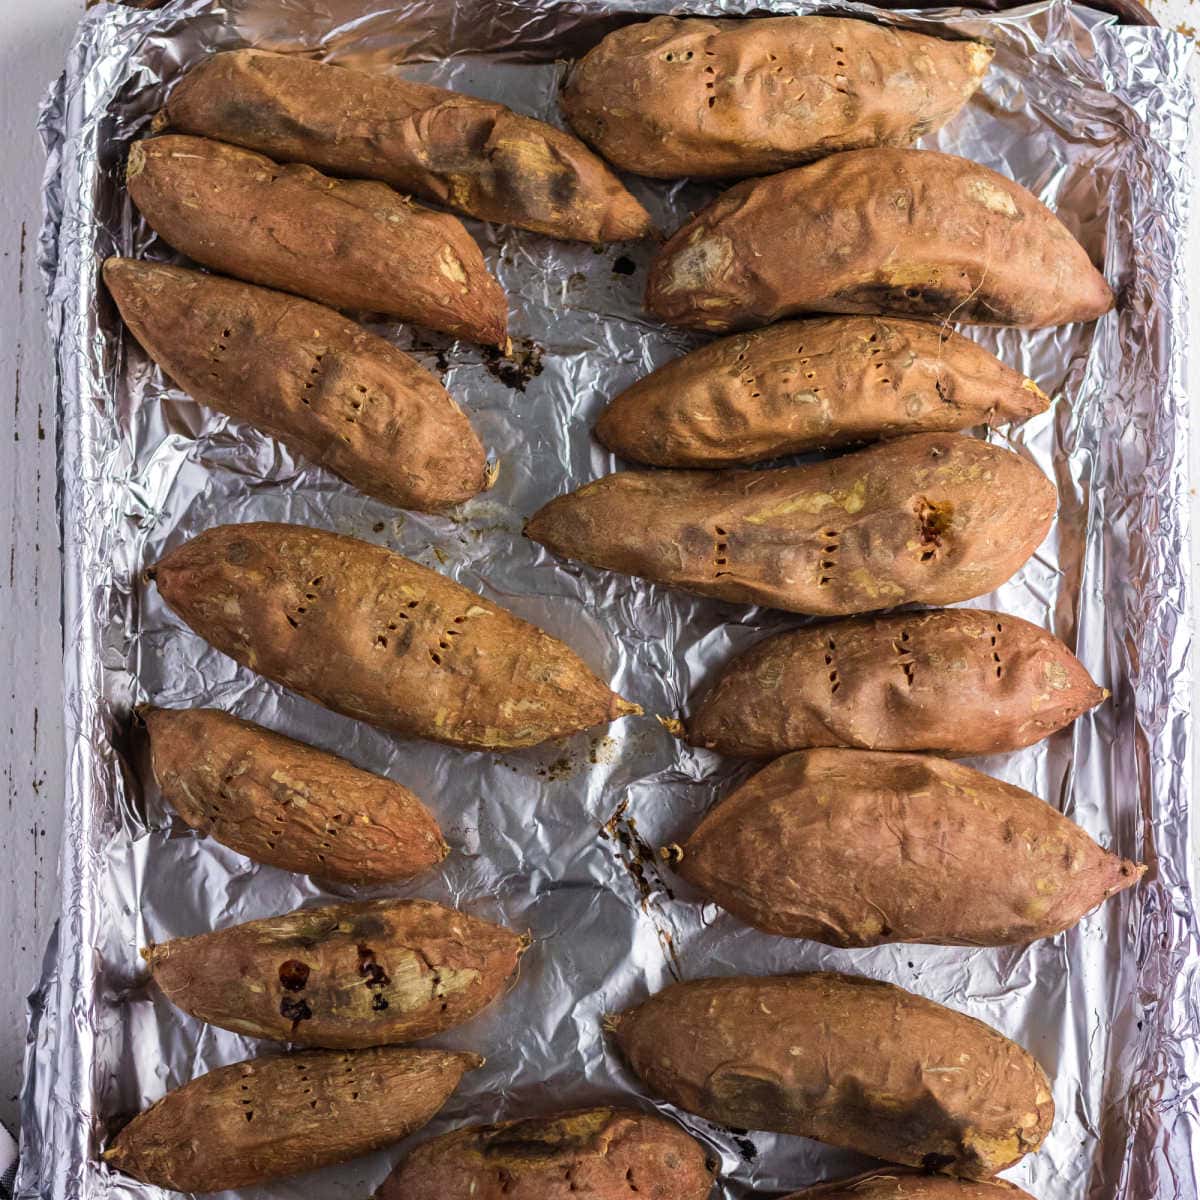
(810, 385)
(932, 518)
(306, 375)
(606, 1153)
(370, 973)
(727, 98)
(292, 806)
(378, 637)
(347, 243)
(282, 1114)
(959, 681)
(899, 232)
(850, 1061)
(891, 1183)
(472, 155)
(859, 848)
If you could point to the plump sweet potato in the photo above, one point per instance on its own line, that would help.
(849, 1061)
(605, 1153)
(932, 518)
(371, 973)
(724, 98)
(958, 681)
(859, 848)
(892, 1183)
(808, 385)
(378, 637)
(306, 375)
(283, 1114)
(281, 802)
(905, 232)
(349, 243)
(473, 155)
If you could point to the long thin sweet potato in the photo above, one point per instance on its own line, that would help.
(470, 154)
(378, 637)
(724, 98)
(281, 802)
(932, 518)
(901, 232)
(308, 376)
(282, 1114)
(600, 1153)
(854, 848)
(347, 243)
(958, 681)
(371, 973)
(850, 1061)
(892, 1183)
(809, 385)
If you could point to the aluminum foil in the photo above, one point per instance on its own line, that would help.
(1094, 119)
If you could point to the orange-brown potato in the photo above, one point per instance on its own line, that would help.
(933, 518)
(809, 385)
(725, 98)
(380, 638)
(371, 973)
(599, 1153)
(900, 232)
(282, 1114)
(957, 681)
(473, 155)
(306, 375)
(281, 802)
(853, 1062)
(856, 848)
(347, 243)
(892, 1183)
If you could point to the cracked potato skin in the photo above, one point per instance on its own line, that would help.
(726, 98)
(604, 1153)
(854, 848)
(378, 637)
(810, 385)
(932, 518)
(306, 375)
(895, 232)
(853, 1062)
(469, 154)
(281, 802)
(959, 681)
(278, 1115)
(892, 1183)
(350, 244)
(346, 976)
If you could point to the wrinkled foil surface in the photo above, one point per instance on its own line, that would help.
(1092, 118)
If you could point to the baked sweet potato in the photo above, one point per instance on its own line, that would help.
(283, 1114)
(306, 375)
(931, 518)
(725, 98)
(891, 1183)
(853, 1062)
(809, 385)
(859, 848)
(473, 155)
(378, 637)
(602, 1153)
(348, 243)
(901, 232)
(281, 802)
(958, 681)
(371, 973)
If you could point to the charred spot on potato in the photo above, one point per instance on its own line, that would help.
(937, 1162)
(293, 975)
(294, 1010)
(237, 553)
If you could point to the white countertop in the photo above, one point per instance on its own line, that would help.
(31, 734)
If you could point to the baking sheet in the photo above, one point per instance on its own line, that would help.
(1091, 117)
